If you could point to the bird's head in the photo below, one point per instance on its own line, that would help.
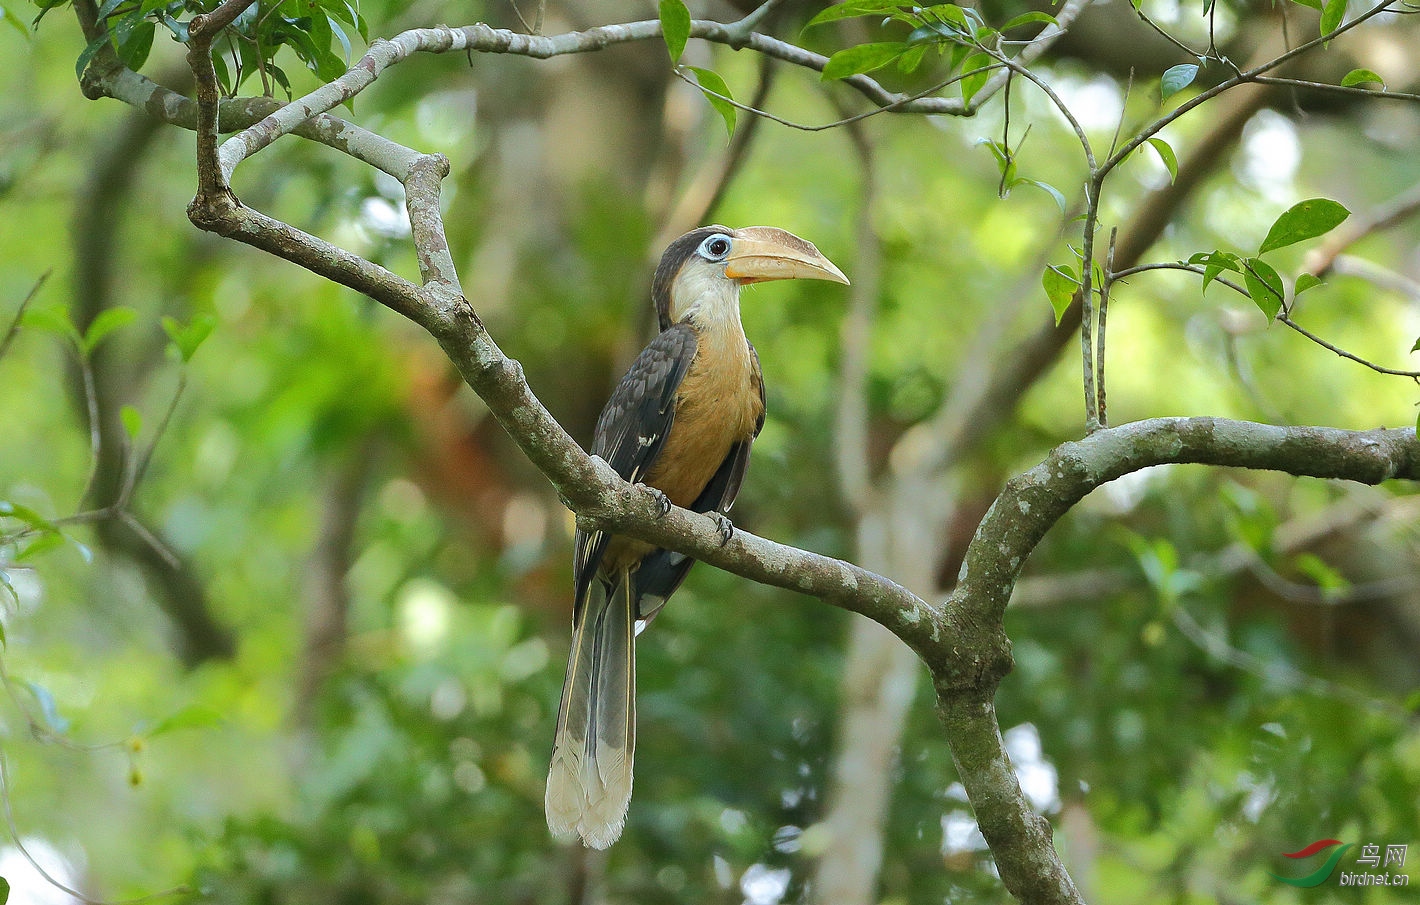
(701, 273)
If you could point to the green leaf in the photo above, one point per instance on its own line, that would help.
(132, 422)
(862, 58)
(186, 339)
(1310, 4)
(1416, 347)
(1214, 263)
(42, 544)
(25, 514)
(1304, 282)
(342, 37)
(852, 10)
(711, 81)
(14, 596)
(278, 75)
(1005, 163)
(224, 76)
(1176, 78)
(1361, 77)
(1027, 18)
(912, 59)
(4, 891)
(1050, 190)
(108, 320)
(1304, 220)
(675, 27)
(1326, 578)
(52, 320)
(88, 54)
(133, 38)
(998, 150)
(1331, 15)
(1167, 155)
(935, 33)
(1264, 284)
(975, 81)
(195, 716)
(1060, 284)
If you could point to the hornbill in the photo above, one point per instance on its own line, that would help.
(680, 423)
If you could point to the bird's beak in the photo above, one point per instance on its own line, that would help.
(761, 253)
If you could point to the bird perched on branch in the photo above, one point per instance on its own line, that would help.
(680, 422)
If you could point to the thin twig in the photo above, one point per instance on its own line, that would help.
(1254, 74)
(149, 538)
(893, 107)
(1087, 306)
(1336, 89)
(1159, 30)
(14, 328)
(1123, 112)
(1092, 196)
(1105, 285)
(1179, 265)
(519, 13)
(1284, 318)
(1055, 99)
(140, 467)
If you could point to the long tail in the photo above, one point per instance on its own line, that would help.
(589, 780)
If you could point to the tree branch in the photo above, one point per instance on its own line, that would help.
(1032, 502)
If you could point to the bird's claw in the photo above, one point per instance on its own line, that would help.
(727, 527)
(662, 501)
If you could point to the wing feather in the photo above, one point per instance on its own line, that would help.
(633, 427)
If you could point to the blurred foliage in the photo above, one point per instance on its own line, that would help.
(412, 770)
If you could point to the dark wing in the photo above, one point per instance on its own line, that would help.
(662, 571)
(633, 427)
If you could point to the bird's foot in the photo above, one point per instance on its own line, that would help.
(663, 501)
(727, 527)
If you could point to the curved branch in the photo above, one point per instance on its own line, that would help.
(1032, 502)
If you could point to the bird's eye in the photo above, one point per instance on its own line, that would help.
(716, 247)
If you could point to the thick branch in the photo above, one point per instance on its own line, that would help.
(1032, 502)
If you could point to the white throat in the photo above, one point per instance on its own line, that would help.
(712, 300)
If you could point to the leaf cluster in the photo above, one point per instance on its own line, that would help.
(1304, 220)
(959, 35)
(317, 32)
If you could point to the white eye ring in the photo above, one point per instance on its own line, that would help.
(716, 247)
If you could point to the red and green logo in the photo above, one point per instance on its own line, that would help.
(1320, 875)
